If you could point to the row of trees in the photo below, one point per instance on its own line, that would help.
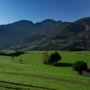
(55, 57)
(52, 59)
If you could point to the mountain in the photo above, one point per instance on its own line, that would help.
(46, 35)
(21, 33)
(67, 36)
(84, 21)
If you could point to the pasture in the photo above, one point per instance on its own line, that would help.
(28, 72)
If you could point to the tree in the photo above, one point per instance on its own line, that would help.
(80, 66)
(54, 58)
(45, 57)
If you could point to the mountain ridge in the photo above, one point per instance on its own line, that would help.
(46, 35)
(16, 33)
(67, 36)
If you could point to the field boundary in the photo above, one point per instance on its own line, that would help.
(51, 78)
(26, 85)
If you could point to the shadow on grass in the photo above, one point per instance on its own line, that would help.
(63, 65)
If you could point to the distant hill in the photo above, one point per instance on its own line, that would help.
(67, 36)
(46, 35)
(18, 34)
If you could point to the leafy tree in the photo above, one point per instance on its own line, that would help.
(54, 58)
(45, 57)
(79, 66)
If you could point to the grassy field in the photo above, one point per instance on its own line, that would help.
(28, 69)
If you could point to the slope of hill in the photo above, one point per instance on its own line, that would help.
(67, 36)
(23, 32)
(46, 35)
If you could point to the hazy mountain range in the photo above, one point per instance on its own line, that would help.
(46, 35)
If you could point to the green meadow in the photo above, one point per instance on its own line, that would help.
(29, 69)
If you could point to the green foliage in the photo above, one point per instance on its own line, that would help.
(52, 59)
(45, 57)
(79, 66)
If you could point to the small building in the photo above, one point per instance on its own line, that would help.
(86, 73)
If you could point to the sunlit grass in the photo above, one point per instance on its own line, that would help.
(32, 63)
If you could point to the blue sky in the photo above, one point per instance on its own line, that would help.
(38, 10)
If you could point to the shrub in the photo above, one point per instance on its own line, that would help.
(54, 58)
(45, 57)
(80, 66)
